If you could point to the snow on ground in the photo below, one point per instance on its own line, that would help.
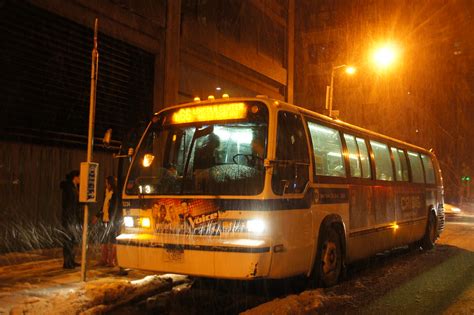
(42, 286)
(304, 303)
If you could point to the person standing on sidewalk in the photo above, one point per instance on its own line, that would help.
(109, 219)
(71, 217)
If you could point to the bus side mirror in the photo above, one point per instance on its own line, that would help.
(130, 152)
(107, 138)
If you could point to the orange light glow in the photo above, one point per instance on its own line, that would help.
(210, 113)
(395, 226)
(147, 160)
(385, 56)
(350, 70)
(145, 222)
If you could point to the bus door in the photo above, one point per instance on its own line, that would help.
(292, 222)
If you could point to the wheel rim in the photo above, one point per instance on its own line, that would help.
(329, 259)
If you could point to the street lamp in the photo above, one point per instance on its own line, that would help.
(330, 88)
(385, 56)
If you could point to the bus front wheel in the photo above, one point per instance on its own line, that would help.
(328, 265)
(429, 238)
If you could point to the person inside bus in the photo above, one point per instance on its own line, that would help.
(206, 154)
(258, 152)
(205, 157)
(71, 217)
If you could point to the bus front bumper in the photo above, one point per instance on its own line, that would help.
(231, 258)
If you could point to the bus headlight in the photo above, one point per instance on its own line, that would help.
(145, 222)
(128, 222)
(256, 226)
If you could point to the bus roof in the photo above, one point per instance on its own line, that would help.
(278, 104)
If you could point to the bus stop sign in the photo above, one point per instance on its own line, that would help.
(88, 185)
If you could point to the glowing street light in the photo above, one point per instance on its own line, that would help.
(350, 70)
(385, 56)
(330, 88)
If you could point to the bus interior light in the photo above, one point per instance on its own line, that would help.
(197, 99)
(128, 222)
(256, 226)
(336, 154)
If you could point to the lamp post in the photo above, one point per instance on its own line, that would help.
(330, 88)
(383, 57)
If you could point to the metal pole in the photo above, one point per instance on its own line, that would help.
(331, 91)
(94, 71)
(328, 88)
(331, 88)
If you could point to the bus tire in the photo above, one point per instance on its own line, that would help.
(328, 266)
(429, 239)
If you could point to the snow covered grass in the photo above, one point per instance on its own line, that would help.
(43, 287)
(74, 297)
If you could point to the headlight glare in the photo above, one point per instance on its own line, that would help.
(128, 221)
(256, 226)
(145, 222)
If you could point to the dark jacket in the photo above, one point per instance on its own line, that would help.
(71, 209)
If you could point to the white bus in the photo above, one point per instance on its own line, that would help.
(247, 188)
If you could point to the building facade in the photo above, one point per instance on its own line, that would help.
(152, 54)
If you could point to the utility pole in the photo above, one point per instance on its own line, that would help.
(89, 171)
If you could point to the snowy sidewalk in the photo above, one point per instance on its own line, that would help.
(37, 284)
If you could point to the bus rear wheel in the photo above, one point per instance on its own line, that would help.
(429, 239)
(328, 265)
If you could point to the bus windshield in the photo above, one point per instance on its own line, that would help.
(202, 156)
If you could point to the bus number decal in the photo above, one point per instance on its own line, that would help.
(331, 195)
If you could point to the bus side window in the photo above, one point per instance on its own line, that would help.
(327, 149)
(429, 171)
(291, 171)
(383, 162)
(401, 166)
(416, 167)
(364, 158)
(354, 156)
